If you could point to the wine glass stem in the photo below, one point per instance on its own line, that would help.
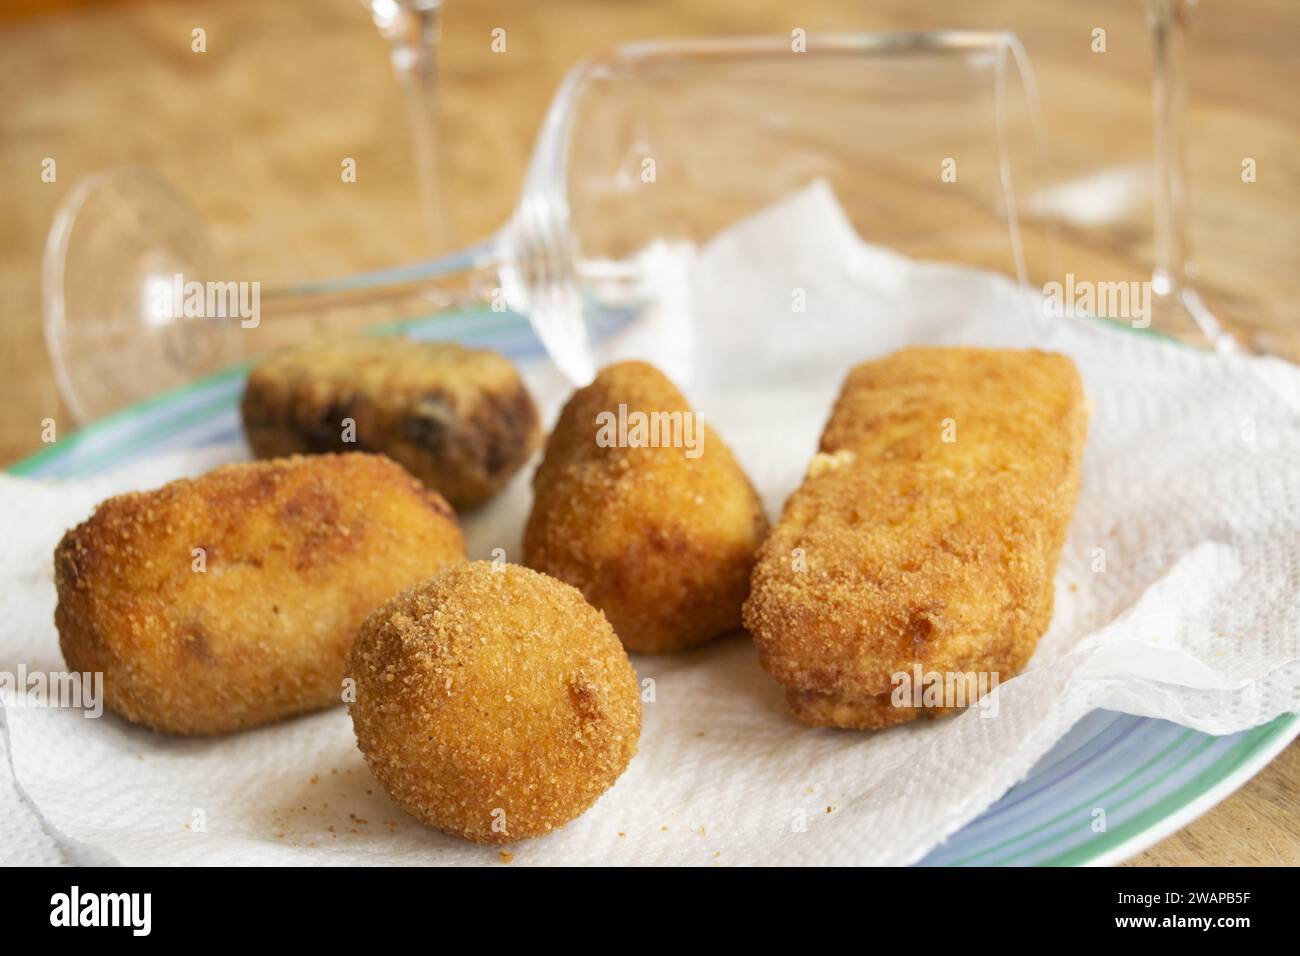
(1167, 20)
(413, 29)
(458, 279)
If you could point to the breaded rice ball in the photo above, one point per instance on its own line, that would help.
(493, 702)
(661, 537)
(230, 600)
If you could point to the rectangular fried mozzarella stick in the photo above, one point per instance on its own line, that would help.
(912, 570)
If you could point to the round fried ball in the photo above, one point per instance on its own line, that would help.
(493, 702)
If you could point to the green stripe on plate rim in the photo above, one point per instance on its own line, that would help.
(1084, 805)
(1259, 738)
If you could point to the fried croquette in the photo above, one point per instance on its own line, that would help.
(926, 535)
(459, 419)
(660, 536)
(230, 600)
(493, 702)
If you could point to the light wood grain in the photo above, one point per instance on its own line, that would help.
(254, 131)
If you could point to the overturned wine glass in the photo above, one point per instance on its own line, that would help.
(925, 138)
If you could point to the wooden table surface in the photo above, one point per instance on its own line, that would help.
(254, 131)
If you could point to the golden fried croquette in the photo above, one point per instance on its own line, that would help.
(662, 539)
(493, 702)
(230, 600)
(927, 532)
(459, 419)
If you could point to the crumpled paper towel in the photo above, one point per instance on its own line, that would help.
(1191, 491)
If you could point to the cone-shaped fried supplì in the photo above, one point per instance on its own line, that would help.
(650, 517)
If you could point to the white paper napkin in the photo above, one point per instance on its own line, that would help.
(1191, 493)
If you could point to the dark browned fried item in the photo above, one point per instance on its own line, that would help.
(493, 702)
(459, 419)
(230, 600)
(927, 532)
(662, 539)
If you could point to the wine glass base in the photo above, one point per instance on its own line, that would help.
(1183, 314)
(122, 245)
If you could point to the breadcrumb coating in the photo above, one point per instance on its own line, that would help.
(493, 702)
(230, 600)
(459, 419)
(661, 541)
(927, 532)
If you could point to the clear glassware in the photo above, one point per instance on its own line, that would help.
(413, 29)
(927, 139)
(1177, 308)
